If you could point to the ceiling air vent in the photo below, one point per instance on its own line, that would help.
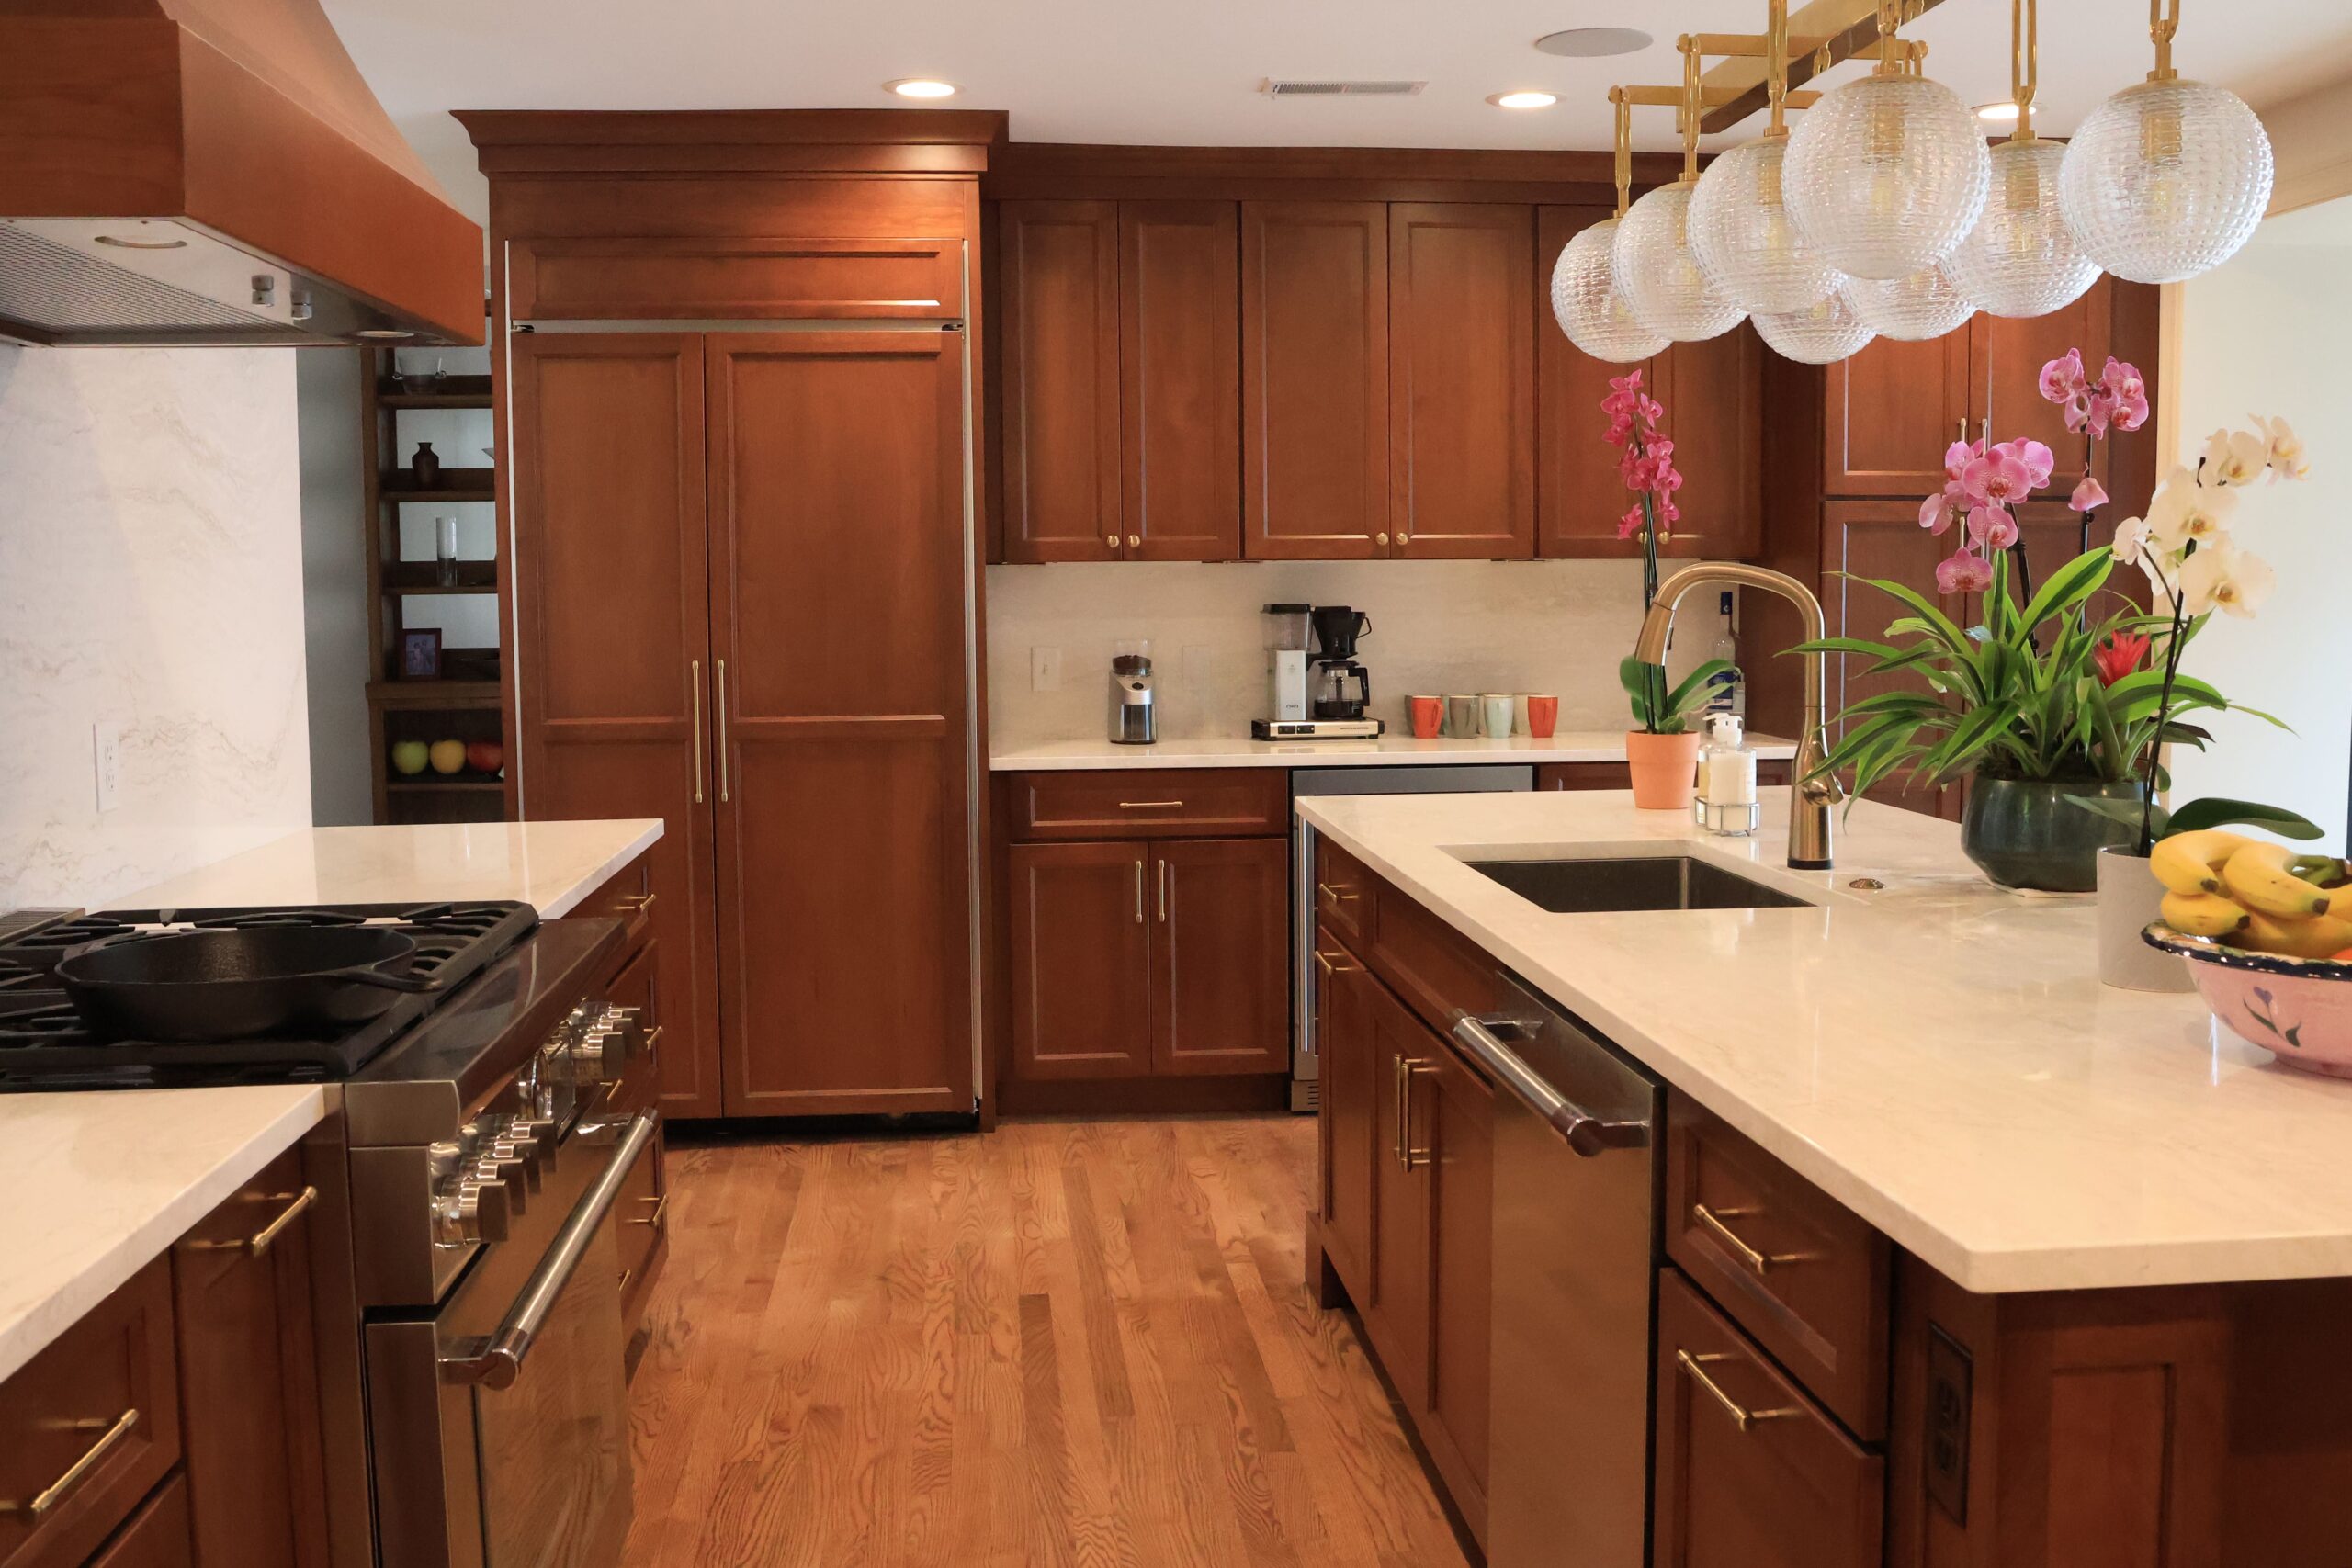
(1294, 88)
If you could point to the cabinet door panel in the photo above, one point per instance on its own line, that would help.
(1462, 381)
(1788, 1489)
(1349, 1106)
(1080, 948)
(1460, 1115)
(1058, 350)
(1713, 395)
(838, 561)
(2010, 355)
(1313, 379)
(1881, 539)
(612, 597)
(1892, 410)
(1220, 977)
(249, 1379)
(1402, 1053)
(1579, 495)
(1180, 380)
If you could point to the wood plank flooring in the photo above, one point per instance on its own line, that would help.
(1058, 1343)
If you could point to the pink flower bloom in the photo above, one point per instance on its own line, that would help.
(2078, 410)
(1632, 380)
(1668, 514)
(1963, 573)
(2038, 460)
(1935, 512)
(2127, 393)
(2062, 379)
(1997, 479)
(1992, 527)
(2087, 495)
(1631, 524)
(1957, 457)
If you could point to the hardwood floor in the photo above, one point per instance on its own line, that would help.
(1058, 1343)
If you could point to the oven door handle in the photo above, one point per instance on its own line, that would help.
(497, 1361)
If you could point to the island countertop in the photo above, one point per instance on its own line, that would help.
(1381, 751)
(549, 865)
(1937, 1054)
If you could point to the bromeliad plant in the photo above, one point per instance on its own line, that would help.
(1646, 464)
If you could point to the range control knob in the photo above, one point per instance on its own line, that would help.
(472, 1211)
(505, 1172)
(524, 1140)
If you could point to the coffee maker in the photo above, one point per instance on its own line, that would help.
(1338, 690)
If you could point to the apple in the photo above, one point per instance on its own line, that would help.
(449, 756)
(408, 756)
(484, 756)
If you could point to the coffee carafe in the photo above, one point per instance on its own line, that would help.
(1343, 689)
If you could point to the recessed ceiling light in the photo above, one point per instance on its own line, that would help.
(1594, 43)
(1997, 114)
(1527, 100)
(921, 87)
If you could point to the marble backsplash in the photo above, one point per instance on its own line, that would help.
(1437, 626)
(151, 578)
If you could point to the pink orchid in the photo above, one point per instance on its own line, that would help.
(1648, 410)
(2127, 393)
(1958, 455)
(2093, 416)
(1668, 514)
(1997, 479)
(1935, 512)
(2087, 495)
(2063, 380)
(1992, 527)
(1963, 573)
(1629, 525)
(2039, 460)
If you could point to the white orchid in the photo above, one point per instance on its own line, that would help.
(2187, 511)
(2233, 458)
(2130, 539)
(2288, 459)
(2224, 577)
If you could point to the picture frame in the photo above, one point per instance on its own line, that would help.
(421, 653)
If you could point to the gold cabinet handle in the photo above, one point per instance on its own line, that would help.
(1963, 429)
(722, 732)
(636, 903)
(653, 1220)
(1396, 1091)
(1337, 894)
(653, 1039)
(57, 1490)
(1163, 866)
(1330, 965)
(1742, 1417)
(1138, 891)
(1151, 805)
(259, 1243)
(1712, 1221)
(627, 1275)
(1382, 539)
(1415, 1155)
(695, 666)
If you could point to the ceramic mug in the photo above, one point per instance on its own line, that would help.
(1428, 716)
(1461, 717)
(1497, 710)
(1543, 715)
(1518, 714)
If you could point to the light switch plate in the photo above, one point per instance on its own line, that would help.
(1045, 669)
(106, 760)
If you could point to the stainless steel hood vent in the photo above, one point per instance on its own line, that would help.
(213, 172)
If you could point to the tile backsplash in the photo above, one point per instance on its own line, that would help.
(1437, 627)
(151, 578)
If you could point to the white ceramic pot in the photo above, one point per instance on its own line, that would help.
(2128, 899)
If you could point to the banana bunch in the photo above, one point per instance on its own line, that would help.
(2255, 895)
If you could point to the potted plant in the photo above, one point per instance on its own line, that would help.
(1661, 749)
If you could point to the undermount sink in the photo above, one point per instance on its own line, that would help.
(1647, 881)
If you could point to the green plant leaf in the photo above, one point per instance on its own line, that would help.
(2217, 811)
(1969, 738)
(1693, 693)
(2069, 586)
(2124, 811)
(1843, 645)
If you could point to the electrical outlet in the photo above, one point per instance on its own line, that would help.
(1045, 669)
(106, 747)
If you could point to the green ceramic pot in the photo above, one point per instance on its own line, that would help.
(2026, 833)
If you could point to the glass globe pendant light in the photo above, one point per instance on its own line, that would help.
(1740, 229)
(1821, 333)
(1926, 304)
(1655, 267)
(1887, 174)
(2022, 259)
(1585, 297)
(2168, 177)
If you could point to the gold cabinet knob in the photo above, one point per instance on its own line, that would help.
(1403, 537)
(1381, 538)
(1134, 541)
(1111, 540)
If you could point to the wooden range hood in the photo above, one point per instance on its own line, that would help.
(213, 172)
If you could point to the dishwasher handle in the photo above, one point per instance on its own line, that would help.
(1488, 1039)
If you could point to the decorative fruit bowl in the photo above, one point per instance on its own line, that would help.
(2299, 1010)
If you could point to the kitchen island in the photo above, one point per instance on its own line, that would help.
(1966, 1258)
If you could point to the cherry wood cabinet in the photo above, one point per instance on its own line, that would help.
(1461, 381)
(615, 667)
(248, 1372)
(1154, 958)
(837, 566)
(1179, 379)
(1713, 395)
(1580, 496)
(1881, 539)
(1314, 380)
(1349, 1113)
(157, 1536)
(1058, 278)
(1396, 1315)
(1458, 1113)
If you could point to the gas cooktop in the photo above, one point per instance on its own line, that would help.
(44, 1044)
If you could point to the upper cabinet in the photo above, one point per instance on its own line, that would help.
(1314, 380)
(1179, 379)
(1461, 380)
(1059, 344)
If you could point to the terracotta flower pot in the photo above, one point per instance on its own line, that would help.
(1665, 769)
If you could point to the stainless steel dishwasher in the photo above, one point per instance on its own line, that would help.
(1576, 1179)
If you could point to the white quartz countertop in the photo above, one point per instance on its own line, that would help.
(1387, 750)
(549, 865)
(1939, 1056)
(100, 1184)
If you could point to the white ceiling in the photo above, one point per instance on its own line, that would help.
(1123, 71)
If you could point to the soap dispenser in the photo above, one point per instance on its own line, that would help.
(1725, 804)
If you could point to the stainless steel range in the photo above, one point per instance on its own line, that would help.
(485, 1140)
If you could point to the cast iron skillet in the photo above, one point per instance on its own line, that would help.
(234, 985)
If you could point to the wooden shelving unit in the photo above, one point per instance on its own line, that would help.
(464, 703)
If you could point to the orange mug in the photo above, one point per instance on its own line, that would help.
(1428, 714)
(1543, 713)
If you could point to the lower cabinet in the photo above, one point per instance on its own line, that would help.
(1750, 1472)
(1150, 958)
(156, 1536)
